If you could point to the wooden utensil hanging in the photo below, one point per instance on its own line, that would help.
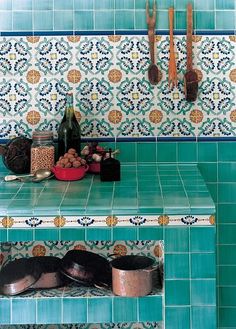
(190, 77)
(172, 64)
(153, 72)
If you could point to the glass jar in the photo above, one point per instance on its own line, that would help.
(42, 151)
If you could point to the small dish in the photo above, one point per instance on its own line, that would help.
(95, 167)
(70, 174)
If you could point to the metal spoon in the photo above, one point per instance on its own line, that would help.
(39, 175)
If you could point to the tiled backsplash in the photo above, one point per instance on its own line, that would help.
(84, 15)
(113, 97)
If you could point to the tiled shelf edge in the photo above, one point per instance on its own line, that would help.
(86, 233)
(66, 305)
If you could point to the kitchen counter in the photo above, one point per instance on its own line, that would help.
(166, 204)
(144, 189)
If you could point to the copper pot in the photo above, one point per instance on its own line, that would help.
(86, 267)
(132, 275)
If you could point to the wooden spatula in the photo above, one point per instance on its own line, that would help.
(190, 77)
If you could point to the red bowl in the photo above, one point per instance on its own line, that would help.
(70, 173)
(95, 167)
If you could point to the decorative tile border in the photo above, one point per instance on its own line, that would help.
(147, 325)
(104, 221)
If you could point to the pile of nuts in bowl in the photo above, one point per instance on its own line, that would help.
(71, 159)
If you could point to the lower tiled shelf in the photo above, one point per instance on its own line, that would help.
(74, 304)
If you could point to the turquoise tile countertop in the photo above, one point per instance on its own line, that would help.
(144, 189)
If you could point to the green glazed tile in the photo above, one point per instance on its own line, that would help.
(3, 235)
(104, 4)
(150, 233)
(227, 317)
(128, 152)
(49, 310)
(208, 171)
(227, 275)
(5, 314)
(203, 292)
(63, 5)
(166, 152)
(104, 24)
(226, 213)
(23, 311)
(177, 266)
(22, 21)
(72, 234)
(187, 152)
(70, 315)
(204, 5)
(46, 234)
(227, 171)
(213, 190)
(6, 5)
(222, 4)
(227, 234)
(99, 310)
(177, 292)
(83, 5)
(125, 233)
(140, 20)
(150, 308)
(203, 317)
(6, 21)
(227, 192)
(146, 152)
(180, 21)
(176, 240)
(162, 20)
(204, 20)
(120, 307)
(21, 234)
(42, 5)
(124, 20)
(225, 151)
(202, 239)
(227, 254)
(63, 20)
(203, 266)
(165, 4)
(227, 296)
(225, 20)
(139, 4)
(124, 4)
(22, 4)
(207, 151)
(98, 234)
(43, 20)
(177, 317)
(83, 20)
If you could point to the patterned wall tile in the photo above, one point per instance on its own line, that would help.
(113, 97)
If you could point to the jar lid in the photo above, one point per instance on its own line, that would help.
(46, 134)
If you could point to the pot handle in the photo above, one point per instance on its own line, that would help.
(155, 267)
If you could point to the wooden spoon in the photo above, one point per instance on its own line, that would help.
(190, 77)
(172, 64)
(153, 72)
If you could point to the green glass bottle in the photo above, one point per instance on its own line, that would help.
(69, 129)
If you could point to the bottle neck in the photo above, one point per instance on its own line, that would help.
(69, 113)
